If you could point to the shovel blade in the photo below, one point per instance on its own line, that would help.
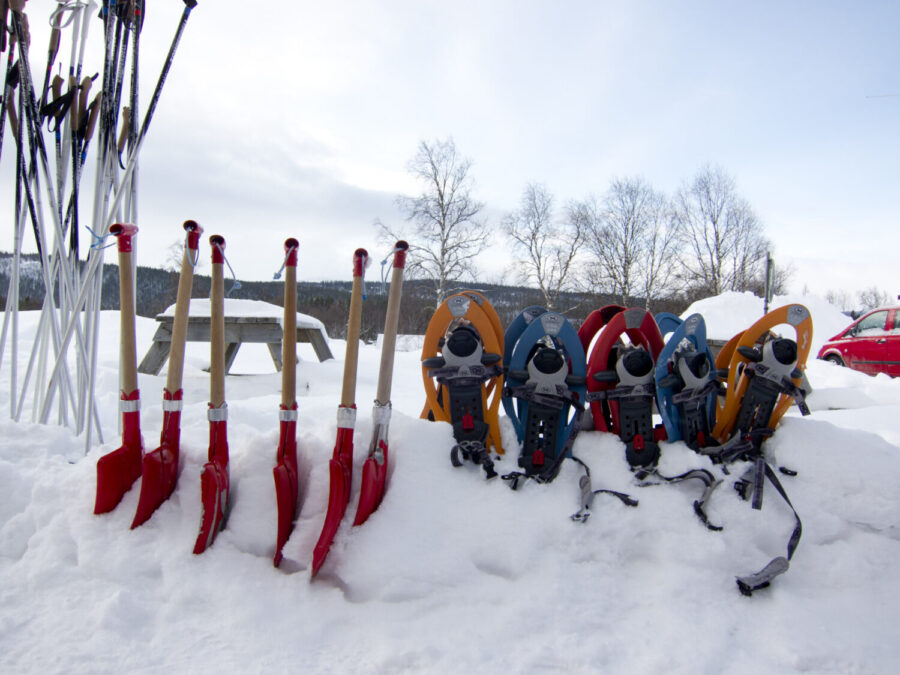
(286, 491)
(374, 475)
(116, 473)
(159, 473)
(338, 496)
(214, 485)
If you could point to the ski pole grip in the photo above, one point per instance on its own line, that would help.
(290, 249)
(123, 134)
(190, 4)
(123, 232)
(92, 119)
(193, 229)
(217, 241)
(359, 261)
(400, 249)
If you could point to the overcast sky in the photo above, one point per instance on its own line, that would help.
(298, 118)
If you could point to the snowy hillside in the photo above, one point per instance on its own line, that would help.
(452, 574)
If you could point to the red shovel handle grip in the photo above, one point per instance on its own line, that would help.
(193, 229)
(360, 256)
(217, 241)
(123, 233)
(400, 249)
(290, 249)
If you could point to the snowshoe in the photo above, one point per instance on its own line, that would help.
(687, 382)
(620, 383)
(765, 375)
(545, 390)
(775, 364)
(463, 376)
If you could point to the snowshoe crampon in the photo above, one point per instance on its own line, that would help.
(463, 375)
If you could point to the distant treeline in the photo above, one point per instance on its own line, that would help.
(328, 301)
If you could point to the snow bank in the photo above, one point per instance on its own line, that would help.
(729, 313)
(452, 573)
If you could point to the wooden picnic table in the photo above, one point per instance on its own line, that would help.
(245, 321)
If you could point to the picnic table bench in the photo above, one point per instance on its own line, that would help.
(245, 321)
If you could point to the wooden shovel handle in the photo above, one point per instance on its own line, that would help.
(123, 234)
(289, 334)
(348, 390)
(391, 320)
(217, 324)
(182, 306)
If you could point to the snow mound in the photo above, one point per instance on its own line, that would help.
(730, 313)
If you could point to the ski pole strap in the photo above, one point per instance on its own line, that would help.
(780, 564)
(704, 476)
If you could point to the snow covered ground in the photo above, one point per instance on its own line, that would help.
(452, 573)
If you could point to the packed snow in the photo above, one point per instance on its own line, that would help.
(452, 573)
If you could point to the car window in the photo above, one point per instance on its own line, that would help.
(872, 324)
(896, 329)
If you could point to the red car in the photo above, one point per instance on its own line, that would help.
(871, 344)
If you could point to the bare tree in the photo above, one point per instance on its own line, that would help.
(629, 237)
(662, 245)
(724, 245)
(871, 298)
(549, 247)
(841, 299)
(447, 232)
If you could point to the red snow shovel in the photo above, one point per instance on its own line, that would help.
(342, 460)
(214, 481)
(374, 470)
(117, 470)
(159, 470)
(285, 471)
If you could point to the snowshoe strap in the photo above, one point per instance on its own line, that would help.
(708, 480)
(587, 494)
(780, 564)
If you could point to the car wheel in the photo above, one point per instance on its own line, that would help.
(835, 359)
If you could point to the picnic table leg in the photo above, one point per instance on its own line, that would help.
(231, 350)
(275, 351)
(156, 356)
(315, 338)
